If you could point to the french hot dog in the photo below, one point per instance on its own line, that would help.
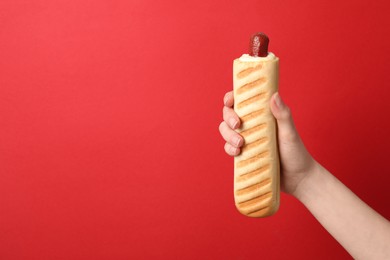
(256, 169)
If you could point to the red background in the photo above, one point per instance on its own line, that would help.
(109, 114)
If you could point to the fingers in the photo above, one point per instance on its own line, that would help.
(282, 113)
(231, 118)
(231, 150)
(230, 136)
(228, 99)
(231, 121)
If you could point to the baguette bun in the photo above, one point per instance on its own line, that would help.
(256, 169)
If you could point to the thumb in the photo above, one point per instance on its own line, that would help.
(282, 114)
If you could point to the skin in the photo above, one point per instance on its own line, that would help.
(358, 228)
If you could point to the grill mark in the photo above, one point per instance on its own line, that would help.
(253, 159)
(252, 174)
(258, 212)
(254, 201)
(252, 115)
(246, 72)
(251, 100)
(253, 187)
(251, 85)
(255, 143)
(251, 130)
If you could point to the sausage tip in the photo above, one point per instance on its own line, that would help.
(258, 46)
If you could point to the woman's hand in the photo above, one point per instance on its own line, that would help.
(296, 162)
(358, 228)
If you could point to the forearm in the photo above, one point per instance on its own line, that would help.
(358, 228)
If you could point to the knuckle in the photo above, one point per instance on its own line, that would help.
(287, 113)
(226, 96)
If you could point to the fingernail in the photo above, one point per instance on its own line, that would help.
(233, 123)
(237, 141)
(233, 150)
(278, 100)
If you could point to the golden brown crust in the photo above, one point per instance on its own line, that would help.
(256, 182)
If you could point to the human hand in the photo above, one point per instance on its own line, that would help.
(296, 162)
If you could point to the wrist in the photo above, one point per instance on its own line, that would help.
(308, 181)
